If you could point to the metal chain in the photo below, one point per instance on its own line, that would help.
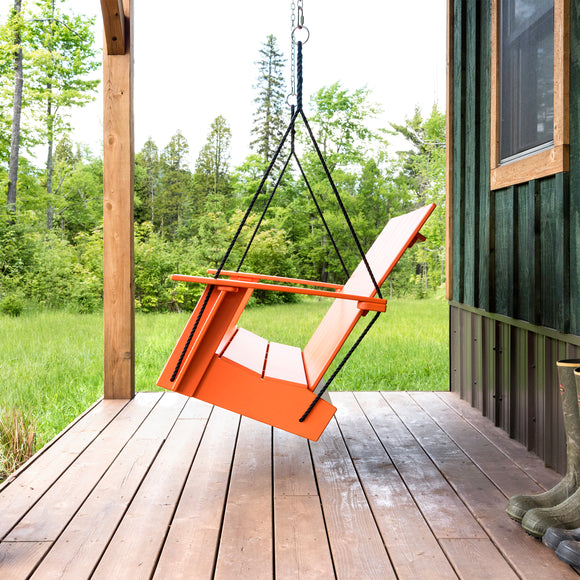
(297, 23)
(292, 52)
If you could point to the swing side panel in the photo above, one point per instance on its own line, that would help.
(217, 325)
(398, 235)
(279, 403)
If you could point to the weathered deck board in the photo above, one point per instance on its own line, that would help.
(301, 548)
(18, 497)
(398, 517)
(132, 556)
(480, 495)
(400, 485)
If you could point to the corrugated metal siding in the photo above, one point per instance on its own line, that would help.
(507, 369)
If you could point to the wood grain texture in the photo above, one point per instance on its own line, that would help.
(300, 541)
(78, 549)
(114, 26)
(449, 157)
(447, 515)
(483, 499)
(191, 546)
(356, 543)
(173, 488)
(46, 520)
(477, 560)
(401, 523)
(131, 555)
(51, 463)
(118, 251)
(246, 549)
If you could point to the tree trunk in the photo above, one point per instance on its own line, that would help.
(49, 163)
(50, 135)
(16, 114)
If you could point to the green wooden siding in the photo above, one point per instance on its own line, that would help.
(516, 257)
(516, 251)
(574, 177)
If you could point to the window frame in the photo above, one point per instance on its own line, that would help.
(556, 158)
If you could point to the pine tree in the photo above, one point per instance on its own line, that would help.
(212, 166)
(175, 185)
(269, 117)
(147, 181)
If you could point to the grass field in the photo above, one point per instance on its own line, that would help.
(51, 363)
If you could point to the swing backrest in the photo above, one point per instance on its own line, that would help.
(399, 234)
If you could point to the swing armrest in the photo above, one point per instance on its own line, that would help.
(365, 303)
(255, 277)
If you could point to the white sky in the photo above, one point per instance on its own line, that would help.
(195, 60)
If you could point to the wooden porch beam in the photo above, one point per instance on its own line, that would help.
(118, 252)
(114, 26)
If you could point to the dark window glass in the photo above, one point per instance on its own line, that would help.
(526, 76)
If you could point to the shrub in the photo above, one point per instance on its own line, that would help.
(12, 305)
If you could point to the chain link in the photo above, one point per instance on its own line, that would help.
(292, 52)
(297, 23)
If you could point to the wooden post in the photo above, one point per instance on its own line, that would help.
(118, 175)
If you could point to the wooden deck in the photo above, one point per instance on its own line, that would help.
(400, 485)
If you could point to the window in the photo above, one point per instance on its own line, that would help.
(530, 55)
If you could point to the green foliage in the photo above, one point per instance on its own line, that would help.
(51, 244)
(62, 55)
(155, 260)
(12, 304)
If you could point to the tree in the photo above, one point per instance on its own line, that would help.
(212, 165)
(64, 54)
(341, 122)
(16, 25)
(78, 190)
(423, 166)
(269, 123)
(175, 186)
(146, 181)
(422, 175)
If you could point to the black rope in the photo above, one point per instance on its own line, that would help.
(341, 205)
(191, 335)
(256, 195)
(232, 244)
(293, 133)
(266, 206)
(290, 130)
(322, 216)
(299, 77)
(338, 368)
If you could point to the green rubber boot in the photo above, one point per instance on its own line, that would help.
(567, 513)
(519, 505)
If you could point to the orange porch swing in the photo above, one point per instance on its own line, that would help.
(216, 361)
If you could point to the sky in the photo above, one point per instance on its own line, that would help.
(196, 60)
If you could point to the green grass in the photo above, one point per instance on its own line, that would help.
(51, 363)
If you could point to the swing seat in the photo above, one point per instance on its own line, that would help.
(274, 383)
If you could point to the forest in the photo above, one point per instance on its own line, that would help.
(186, 214)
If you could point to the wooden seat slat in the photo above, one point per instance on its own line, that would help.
(247, 349)
(285, 363)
